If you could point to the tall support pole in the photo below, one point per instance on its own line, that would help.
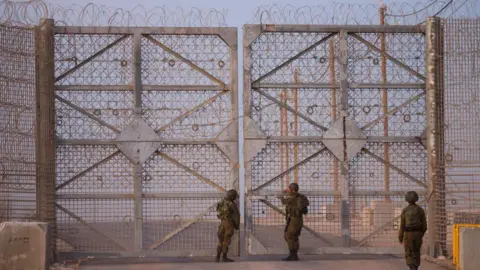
(282, 133)
(235, 166)
(344, 186)
(45, 126)
(247, 112)
(137, 168)
(284, 122)
(386, 155)
(333, 92)
(436, 213)
(295, 125)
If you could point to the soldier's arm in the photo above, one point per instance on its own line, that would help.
(236, 216)
(284, 199)
(424, 221)
(401, 229)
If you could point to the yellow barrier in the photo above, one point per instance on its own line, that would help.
(456, 240)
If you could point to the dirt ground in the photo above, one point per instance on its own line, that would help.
(340, 262)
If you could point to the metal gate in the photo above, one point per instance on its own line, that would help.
(340, 110)
(146, 138)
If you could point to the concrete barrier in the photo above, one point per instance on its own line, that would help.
(469, 257)
(24, 245)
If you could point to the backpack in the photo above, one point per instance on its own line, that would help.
(413, 217)
(303, 204)
(223, 210)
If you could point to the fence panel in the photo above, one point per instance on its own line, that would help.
(462, 146)
(17, 124)
(147, 138)
(341, 111)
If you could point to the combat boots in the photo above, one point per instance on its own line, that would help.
(225, 259)
(219, 252)
(293, 256)
(412, 267)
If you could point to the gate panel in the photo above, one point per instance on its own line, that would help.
(148, 138)
(341, 111)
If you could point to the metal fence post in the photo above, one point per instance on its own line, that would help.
(435, 138)
(344, 186)
(45, 124)
(137, 168)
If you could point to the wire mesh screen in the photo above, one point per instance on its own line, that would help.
(17, 124)
(154, 100)
(297, 99)
(462, 158)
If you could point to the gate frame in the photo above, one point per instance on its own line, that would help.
(46, 139)
(252, 31)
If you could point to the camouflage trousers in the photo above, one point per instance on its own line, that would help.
(225, 233)
(292, 233)
(412, 242)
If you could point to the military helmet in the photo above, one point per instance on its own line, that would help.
(232, 194)
(411, 196)
(293, 187)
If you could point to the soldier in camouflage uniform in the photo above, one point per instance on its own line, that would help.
(295, 207)
(230, 220)
(413, 225)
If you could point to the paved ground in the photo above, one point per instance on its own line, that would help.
(340, 263)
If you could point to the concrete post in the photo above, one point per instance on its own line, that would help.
(45, 124)
(436, 215)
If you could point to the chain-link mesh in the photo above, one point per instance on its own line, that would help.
(185, 108)
(461, 191)
(17, 124)
(296, 97)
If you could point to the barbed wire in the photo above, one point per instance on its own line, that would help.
(28, 13)
(341, 13)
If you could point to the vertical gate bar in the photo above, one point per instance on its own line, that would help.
(285, 119)
(435, 137)
(235, 114)
(282, 133)
(295, 124)
(137, 168)
(333, 90)
(247, 112)
(386, 154)
(440, 102)
(45, 126)
(344, 188)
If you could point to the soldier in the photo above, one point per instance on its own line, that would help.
(230, 220)
(295, 207)
(413, 226)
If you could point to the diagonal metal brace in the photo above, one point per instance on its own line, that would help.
(313, 46)
(269, 182)
(191, 111)
(391, 58)
(89, 59)
(194, 173)
(185, 60)
(183, 227)
(392, 111)
(304, 226)
(79, 219)
(290, 109)
(87, 114)
(400, 171)
(381, 228)
(107, 159)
